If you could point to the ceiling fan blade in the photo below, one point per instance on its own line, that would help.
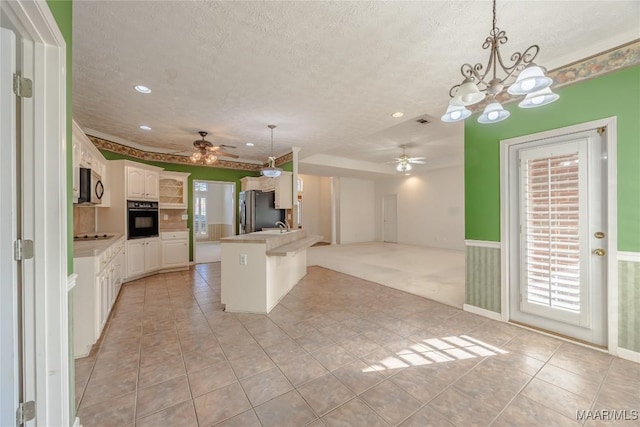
(228, 146)
(417, 162)
(413, 159)
(224, 154)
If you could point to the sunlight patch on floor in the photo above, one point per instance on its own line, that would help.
(436, 350)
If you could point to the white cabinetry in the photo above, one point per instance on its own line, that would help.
(173, 190)
(250, 183)
(86, 155)
(281, 185)
(142, 184)
(284, 190)
(143, 256)
(267, 184)
(99, 281)
(175, 249)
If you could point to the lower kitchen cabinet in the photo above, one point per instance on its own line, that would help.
(97, 287)
(143, 256)
(175, 249)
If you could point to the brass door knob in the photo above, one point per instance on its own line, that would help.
(599, 252)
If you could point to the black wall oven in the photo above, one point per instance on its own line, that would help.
(143, 219)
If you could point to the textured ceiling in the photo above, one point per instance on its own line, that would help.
(328, 74)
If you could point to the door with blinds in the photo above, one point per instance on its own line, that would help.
(558, 277)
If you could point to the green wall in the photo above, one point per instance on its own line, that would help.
(62, 11)
(615, 94)
(197, 173)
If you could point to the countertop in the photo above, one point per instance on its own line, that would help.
(271, 238)
(93, 248)
(295, 246)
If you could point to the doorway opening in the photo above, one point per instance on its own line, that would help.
(213, 218)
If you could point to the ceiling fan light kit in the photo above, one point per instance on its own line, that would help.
(205, 151)
(522, 77)
(271, 171)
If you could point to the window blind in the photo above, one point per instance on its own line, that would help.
(550, 232)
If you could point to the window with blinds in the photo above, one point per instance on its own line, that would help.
(550, 231)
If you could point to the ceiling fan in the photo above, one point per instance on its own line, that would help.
(207, 152)
(404, 161)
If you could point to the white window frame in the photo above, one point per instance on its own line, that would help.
(611, 201)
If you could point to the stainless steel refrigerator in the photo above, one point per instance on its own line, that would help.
(257, 211)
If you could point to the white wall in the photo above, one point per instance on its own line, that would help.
(430, 208)
(357, 204)
(219, 203)
(316, 205)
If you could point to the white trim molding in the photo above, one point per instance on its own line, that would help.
(629, 256)
(482, 312)
(631, 355)
(482, 244)
(71, 281)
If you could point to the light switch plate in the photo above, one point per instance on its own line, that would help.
(243, 259)
(165, 217)
(185, 216)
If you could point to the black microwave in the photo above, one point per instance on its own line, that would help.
(142, 219)
(91, 187)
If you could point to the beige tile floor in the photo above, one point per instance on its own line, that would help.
(337, 351)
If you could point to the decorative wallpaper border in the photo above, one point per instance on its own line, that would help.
(597, 65)
(114, 147)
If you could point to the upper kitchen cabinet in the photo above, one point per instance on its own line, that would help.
(284, 190)
(142, 183)
(250, 183)
(173, 190)
(86, 155)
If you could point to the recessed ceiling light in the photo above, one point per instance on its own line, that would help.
(142, 89)
(397, 114)
(145, 127)
(249, 144)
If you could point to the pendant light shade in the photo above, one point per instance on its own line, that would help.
(538, 99)
(404, 167)
(531, 79)
(467, 94)
(455, 113)
(493, 113)
(271, 171)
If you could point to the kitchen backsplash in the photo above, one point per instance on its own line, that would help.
(171, 219)
(84, 220)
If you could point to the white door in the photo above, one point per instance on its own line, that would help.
(135, 258)
(10, 386)
(390, 218)
(558, 275)
(151, 185)
(135, 183)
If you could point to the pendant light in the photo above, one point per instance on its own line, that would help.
(271, 171)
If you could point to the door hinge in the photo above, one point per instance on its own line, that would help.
(22, 86)
(22, 249)
(26, 412)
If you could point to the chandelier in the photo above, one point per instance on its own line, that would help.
(202, 151)
(271, 171)
(521, 77)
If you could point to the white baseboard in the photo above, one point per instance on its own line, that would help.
(629, 256)
(482, 244)
(482, 312)
(631, 355)
(76, 423)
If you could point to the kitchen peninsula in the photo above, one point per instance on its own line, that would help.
(259, 269)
